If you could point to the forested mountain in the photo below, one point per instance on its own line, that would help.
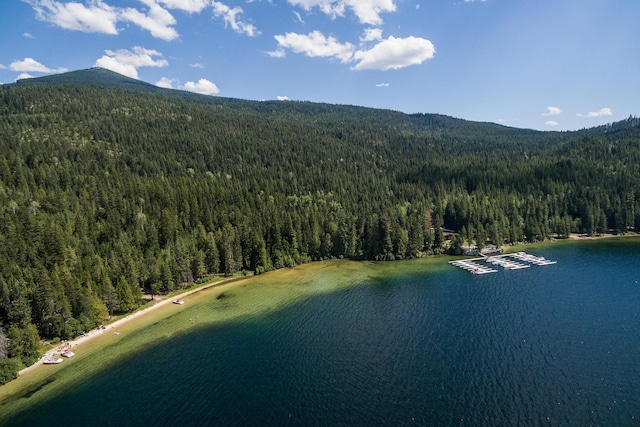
(111, 188)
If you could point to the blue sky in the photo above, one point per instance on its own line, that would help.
(540, 64)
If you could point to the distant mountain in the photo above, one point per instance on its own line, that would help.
(103, 78)
(95, 77)
(483, 134)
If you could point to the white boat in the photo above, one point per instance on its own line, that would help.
(67, 353)
(50, 360)
(178, 301)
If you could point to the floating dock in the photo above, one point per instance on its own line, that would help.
(516, 261)
(473, 267)
(537, 260)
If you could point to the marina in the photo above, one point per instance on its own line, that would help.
(515, 261)
(472, 266)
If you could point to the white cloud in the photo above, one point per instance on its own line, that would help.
(392, 53)
(157, 21)
(203, 86)
(601, 113)
(382, 85)
(126, 62)
(230, 17)
(24, 76)
(196, 65)
(551, 123)
(371, 34)
(395, 53)
(98, 17)
(31, 65)
(314, 44)
(367, 11)
(298, 17)
(552, 111)
(165, 83)
(28, 35)
(191, 6)
(471, 1)
(282, 98)
(95, 16)
(278, 53)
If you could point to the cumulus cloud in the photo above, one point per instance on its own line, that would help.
(552, 111)
(551, 123)
(382, 85)
(367, 11)
(230, 17)
(157, 20)
(282, 98)
(98, 17)
(127, 62)
(191, 6)
(601, 113)
(395, 53)
(314, 44)
(24, 76)
(165, 83)
(196, 65)
(33, 66)
(371, 34)
(392, 53)
(203, 86)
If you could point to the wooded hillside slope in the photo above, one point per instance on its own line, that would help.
(108, 191)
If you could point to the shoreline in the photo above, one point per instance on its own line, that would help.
(76, 342)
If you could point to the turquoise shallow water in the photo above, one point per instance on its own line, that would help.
(553, 345)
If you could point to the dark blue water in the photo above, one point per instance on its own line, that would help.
(553, 345)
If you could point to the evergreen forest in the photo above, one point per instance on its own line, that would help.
(111, 189)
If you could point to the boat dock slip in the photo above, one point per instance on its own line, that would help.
(509, 265)
(506, 261)
(537, 260)
(473, 267)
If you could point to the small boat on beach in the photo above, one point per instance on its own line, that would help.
(67, 353)
(50, 360)
(178, 301)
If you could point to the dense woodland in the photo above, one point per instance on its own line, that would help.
(109, 193)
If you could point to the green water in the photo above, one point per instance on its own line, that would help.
(343, 343)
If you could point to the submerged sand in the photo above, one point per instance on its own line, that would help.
(112, 328)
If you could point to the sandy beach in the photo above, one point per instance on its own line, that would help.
(113, 327)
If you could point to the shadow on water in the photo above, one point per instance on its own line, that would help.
(36, 389)
(28, 393)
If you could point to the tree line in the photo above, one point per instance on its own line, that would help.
(109, 194)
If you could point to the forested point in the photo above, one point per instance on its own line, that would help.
(112, 191)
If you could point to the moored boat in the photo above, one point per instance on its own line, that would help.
(67, 353)
(50, 360)
(178, 301)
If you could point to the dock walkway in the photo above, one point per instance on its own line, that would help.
(515, 261)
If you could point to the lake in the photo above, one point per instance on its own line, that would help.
(401, 343)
